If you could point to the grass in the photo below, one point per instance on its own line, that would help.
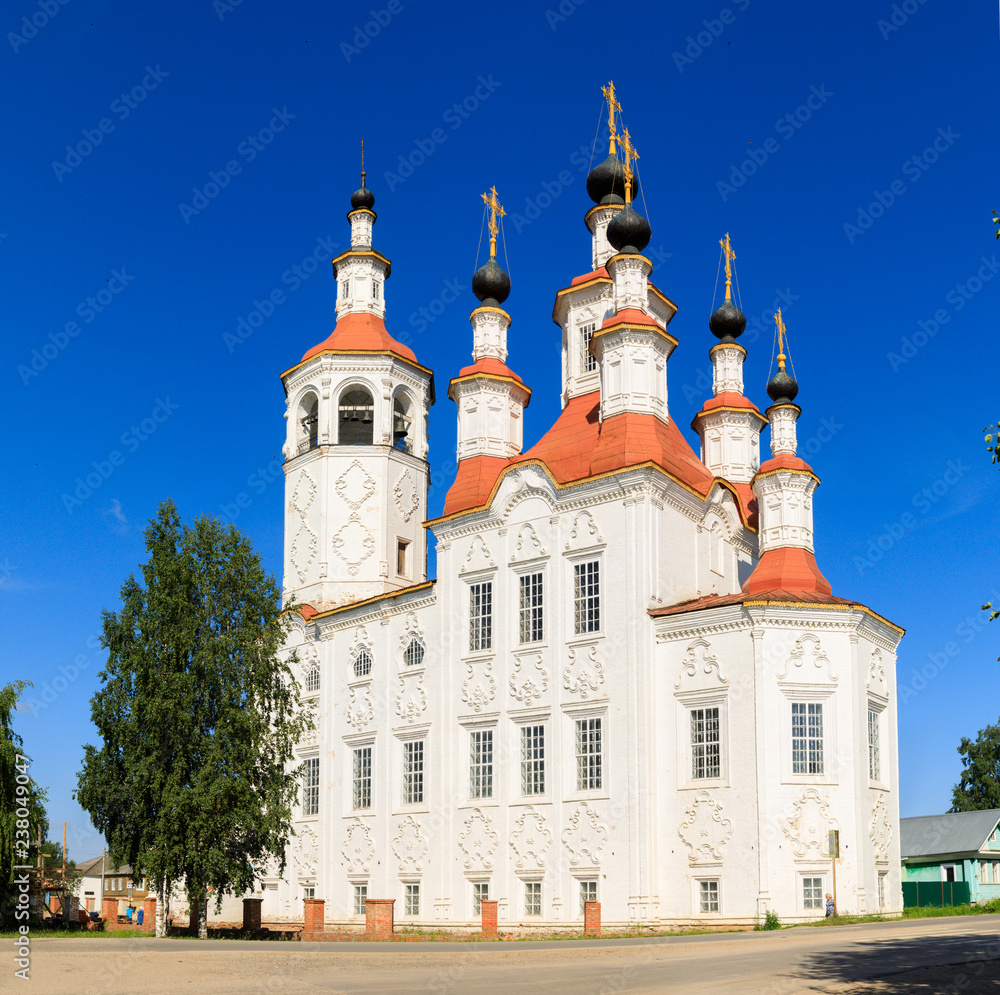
(913, 912)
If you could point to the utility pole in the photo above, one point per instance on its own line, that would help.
(65, 896)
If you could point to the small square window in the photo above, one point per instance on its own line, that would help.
(533, 898)
(588, 893)
(812, 893)
(360, 899)
(708, 896)
(309, 892)
(411, 900)
(480, 894)
(402, 558)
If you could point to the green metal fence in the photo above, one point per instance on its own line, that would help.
(936, 893)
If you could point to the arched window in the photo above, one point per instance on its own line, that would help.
(402, 423)
(363, 664)
(312, 679)
(355, 418)
(414, 653)
(308, 429)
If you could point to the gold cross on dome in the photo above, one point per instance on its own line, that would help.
(613, 105)
(730, 256)
(494, 205)
(779, 324)
(630, 156)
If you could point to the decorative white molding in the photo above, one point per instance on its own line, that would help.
(477, 841)
(409, 846)
(405, 496)
(359, 849)
(411, 698)
(584, 532)
(529, 841)
(306, 850)
(359, 710)
(807, 662)
(705, 831)
(699, 669)
(478, 557)
(584, 837)
(529, 679)
(479, 687)
(807, 825)
(528, 545)
(305, 545)
(880, 829)
(583, 675)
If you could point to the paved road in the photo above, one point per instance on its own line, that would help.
(929, 956)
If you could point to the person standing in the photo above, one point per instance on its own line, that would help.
(830, 908)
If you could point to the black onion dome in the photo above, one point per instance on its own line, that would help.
(362, 197)
(727, 322)
(629, 231)
(782, 387)
(491, 284)
(606, 181)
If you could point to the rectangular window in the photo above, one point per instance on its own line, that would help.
(532, 898)
(708, 896)
(480, 894)
(481, 616)
(481, 763)
(362, 792)
(413, 772)
(345, 289)
(587, 362)
(812, 893)
(996, 871)
(881, 888)
(310, 787)
(376, 289)
(402, 548)
(588, 893)
(587, 597)
(531, 608)
(874, 766)
(532, 760)
(411, 900)
(309, 892)
(807, 738)
(360, 898)
(589, 772)
(705, 751)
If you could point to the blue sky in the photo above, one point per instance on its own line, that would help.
(864, 136)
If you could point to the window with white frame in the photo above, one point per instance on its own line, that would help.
(376, 290)
(589, 746)
(883, 877)
(533, 760)
(812, 893)
(706, 754)
(874, 761)
(587, 597)
(310, 787)
(411, 900)
(414, 654)
(588, 893)
(481, 616)
(309, 892)
(531, 627)
(480, 894)
(807, 737)
(481, 763)
(532, 898)
(996, 871)
(362, 663)
(345, 289)
(587, 362)
(312, 679)
(362, 777)
(360, 898)
(708, 895)
(413, 772)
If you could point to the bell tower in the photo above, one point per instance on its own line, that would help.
(356, 471)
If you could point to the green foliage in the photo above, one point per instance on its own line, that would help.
(10, 800)
(199, 717)
(979, 787)
(771, 921)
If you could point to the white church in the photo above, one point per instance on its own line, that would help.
(629, 682)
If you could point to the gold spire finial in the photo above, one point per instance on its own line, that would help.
(630, 156)
(613, 105)
(730, 256)
(494, 205)
(779, 324)
(362, 162)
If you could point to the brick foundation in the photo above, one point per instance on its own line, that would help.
(149, 914)
(251, 914)
(379, 917)
(313, 918)
(109, 912)
(591, 918)
(488, 912)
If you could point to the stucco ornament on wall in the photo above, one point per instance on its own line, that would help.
(585, 837)
(807, 825)
(528, 678)
(479, 687)
(704, 830)
(583, 675)
(477, 841)
(529, 841)
(409, 846)
(305, 544)
(358, 847)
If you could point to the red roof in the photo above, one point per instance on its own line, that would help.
(489, 365)
(361, 332)
(728, 399)
(630, 316)
(473, 482)
(721, 600)
(602, 272)
(787, 568)
(786, 461)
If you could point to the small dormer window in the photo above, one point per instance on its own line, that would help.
(376, 290)
(587, 362)
(345, 289)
